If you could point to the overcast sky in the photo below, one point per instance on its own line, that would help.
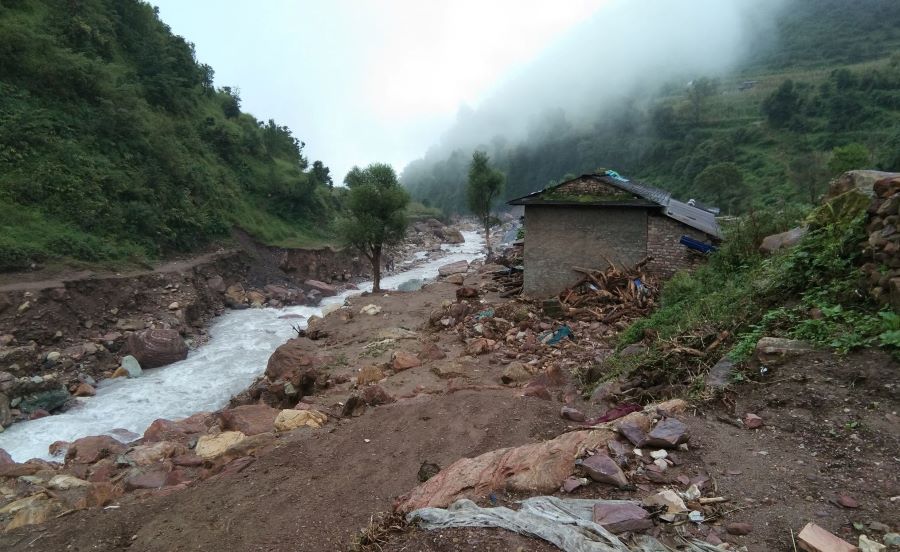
(365, 80)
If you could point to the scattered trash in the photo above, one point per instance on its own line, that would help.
(696, 516)
(552, 338)
(486, 313)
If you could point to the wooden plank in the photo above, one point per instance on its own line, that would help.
(815, 539)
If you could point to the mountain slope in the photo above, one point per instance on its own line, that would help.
(115, 144)
(714, 138)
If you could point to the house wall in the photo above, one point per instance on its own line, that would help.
(669, 256)
(560, 237)
(590, 186)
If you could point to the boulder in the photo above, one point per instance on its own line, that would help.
(32, 510)
(404, 360)
(63, 482)
(784, 240)
(179, 431)
(46, 401)
(466, 292)
(212, 446)
(129, 368)
(294, 363)
(84, 390)
(155, 348)
(431, 351)
(256, 299)
(776, 350)
(456, 279)
(449, 235)
(325, 290)
(144, 455)
(669, 433)
(618, 516)
(152, 479)
(603, 469)
(5, 458)
(752, 421)
(250, 419)
(862, 181)
(216, 284)
(459, 267)
(480, 346)
(292, 419)
(235, 297)
(515, 372)
(89, 450)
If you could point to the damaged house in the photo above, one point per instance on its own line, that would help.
(603, 218)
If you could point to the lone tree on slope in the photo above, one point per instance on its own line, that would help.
(485, 185)
(376, 217)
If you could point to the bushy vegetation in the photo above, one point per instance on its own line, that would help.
(822, 97)
(114, 142)
(814, 291)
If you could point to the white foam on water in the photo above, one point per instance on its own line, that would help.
(236, 354)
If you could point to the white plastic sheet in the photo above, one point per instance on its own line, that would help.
(564, 522)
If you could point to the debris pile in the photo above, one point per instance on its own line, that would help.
(611, 294)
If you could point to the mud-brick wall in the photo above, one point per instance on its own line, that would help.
(663, 245)
(560, 237)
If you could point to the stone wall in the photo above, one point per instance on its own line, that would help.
(560, 237)
(669, 256)
(883, 245)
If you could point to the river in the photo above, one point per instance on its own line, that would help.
(236, 354)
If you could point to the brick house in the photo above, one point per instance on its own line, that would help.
(598, 217)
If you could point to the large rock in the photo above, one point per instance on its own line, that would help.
(144, 455)
(249, 420)
(179, 431)
(603, 469)
(775, 350)
(155, 348)
(292, 419)
(5, 411)
(669, 433)
(292, 362)
(618, 516)
(538, 468)
(129, 368)
(212, 446)
(404, 360)
(862, 181)
(784, 240)
(515, 372)
(450, 235)
(32, 510)
(64, 482)
(458, 267)
(47, 401)
(326, 290)
(89, 450)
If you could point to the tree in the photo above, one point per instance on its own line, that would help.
(809, 173)
(698, 91)
(782, 105)
(376, 214)
(847, 158)
(485, 185)
(722, 184)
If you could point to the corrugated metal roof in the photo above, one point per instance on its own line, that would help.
(690, 215)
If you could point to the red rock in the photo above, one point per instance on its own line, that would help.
(634, 434)
(89, 450)
(177, 477)
(752, 421)
(179, 431)
(38, 414)
(98, 495)
(669, 433)
(147, 480)
(573, 414)
(294, 363)
(847, 501)
(375, 395)
(18, 470)
(84, 390)
(5, 458)
(251, 419)
(603, 469)
(403, 360)
(325, 289)
(619, 516)
(480, 346)
(813, 538)
(453, 268)
(58, 448)
(155, 348)
(572, 483)
(431, 351)
(466, 292)
(536, 390)
(151, 453)
(189, 460)
(102, 471)
(739, 528)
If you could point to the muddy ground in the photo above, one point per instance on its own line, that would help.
(831, 429)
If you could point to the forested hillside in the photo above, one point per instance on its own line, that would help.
(114, 142)
(819, 95)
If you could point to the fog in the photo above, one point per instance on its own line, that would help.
(627, 49)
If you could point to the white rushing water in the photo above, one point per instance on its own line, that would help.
(239, 347)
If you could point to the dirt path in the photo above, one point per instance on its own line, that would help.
(37, 281)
